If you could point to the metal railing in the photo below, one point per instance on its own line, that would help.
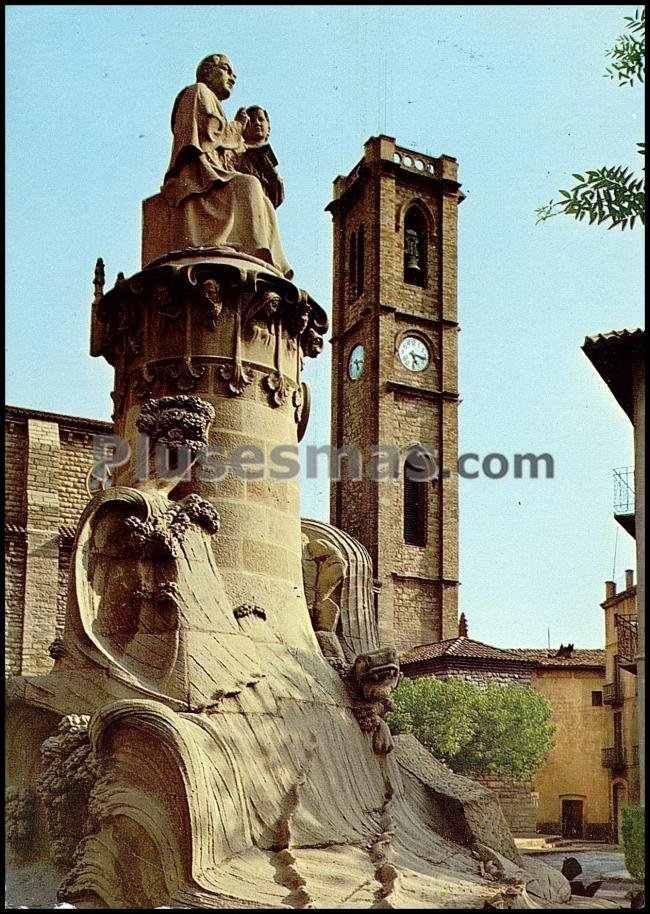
(612, 693)
(627, 634)
(623, 490)
(614, 757)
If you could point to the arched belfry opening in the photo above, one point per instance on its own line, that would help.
(356, 261)
(352, 263)
(417, 481)
(416, 243)
(361, 260)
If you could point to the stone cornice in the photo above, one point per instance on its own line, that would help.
(71, 423)
(366, 312)
(411, 390)
(401, 314)
(424, 577)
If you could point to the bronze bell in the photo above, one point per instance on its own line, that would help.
(412, 245)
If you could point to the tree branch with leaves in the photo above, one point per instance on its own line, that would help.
(611, 194)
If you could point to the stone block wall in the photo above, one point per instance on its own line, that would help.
(487, 675)
(48, 457)
(518, 801)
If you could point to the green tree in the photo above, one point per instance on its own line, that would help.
(634, 841)
(613, 193)
(500, 730)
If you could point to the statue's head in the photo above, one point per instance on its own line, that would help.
(258, 128)
(377, 673)
(217, 72)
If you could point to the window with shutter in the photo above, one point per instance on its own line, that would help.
(416, 502)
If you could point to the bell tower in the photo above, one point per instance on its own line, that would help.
(395, 381)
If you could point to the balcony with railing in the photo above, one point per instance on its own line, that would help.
(624, 498)
(627, 636)
(614, 758)
(612, 693)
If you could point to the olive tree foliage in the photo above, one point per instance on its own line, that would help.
(613, 194)
(502, 730)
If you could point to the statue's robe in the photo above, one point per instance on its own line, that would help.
(261, 162)
(211, 203)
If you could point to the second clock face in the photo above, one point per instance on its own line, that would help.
(413, 353)
(357, 359)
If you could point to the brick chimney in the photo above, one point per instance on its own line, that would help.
(610, 589)
(462, 626)
(629, 578)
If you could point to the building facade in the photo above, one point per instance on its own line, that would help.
(395, 378)
(619, 357)
(572, 784)
(621, 750)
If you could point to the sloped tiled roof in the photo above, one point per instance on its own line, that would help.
(460, 648)
(468, 649)
(580, 657)
(611, 355)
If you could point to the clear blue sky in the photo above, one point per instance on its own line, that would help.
(516, 93)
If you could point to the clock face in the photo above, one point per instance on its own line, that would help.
(413, 353)
(356, 362)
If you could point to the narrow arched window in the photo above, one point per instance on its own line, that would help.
(361, 260)
(415, 248)
(416, 498)
(352, 263)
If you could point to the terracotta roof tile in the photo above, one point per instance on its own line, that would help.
(465, 648)
(579, 657)
(468, 649)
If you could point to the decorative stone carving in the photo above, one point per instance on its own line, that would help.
(210, 297)
(180, 421)
(235, 374)
(68, 775)
(249, 609)
(162, 535)
(56, 650)
(20, 814)
(345, 579)
(376, 675)
(381, 854)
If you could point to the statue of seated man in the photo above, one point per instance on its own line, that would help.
(211, 202)
(259, 158)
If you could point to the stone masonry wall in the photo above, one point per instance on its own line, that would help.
(486, 676)
(47, 458)
(14, 601)
(517, 800)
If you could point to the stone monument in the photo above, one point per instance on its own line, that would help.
(212, 733)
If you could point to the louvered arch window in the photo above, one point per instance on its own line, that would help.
(416, 499)
(352, 263)
(361, 259)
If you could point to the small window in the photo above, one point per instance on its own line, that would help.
(597, 699)
(415, 248)
(416, 499)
